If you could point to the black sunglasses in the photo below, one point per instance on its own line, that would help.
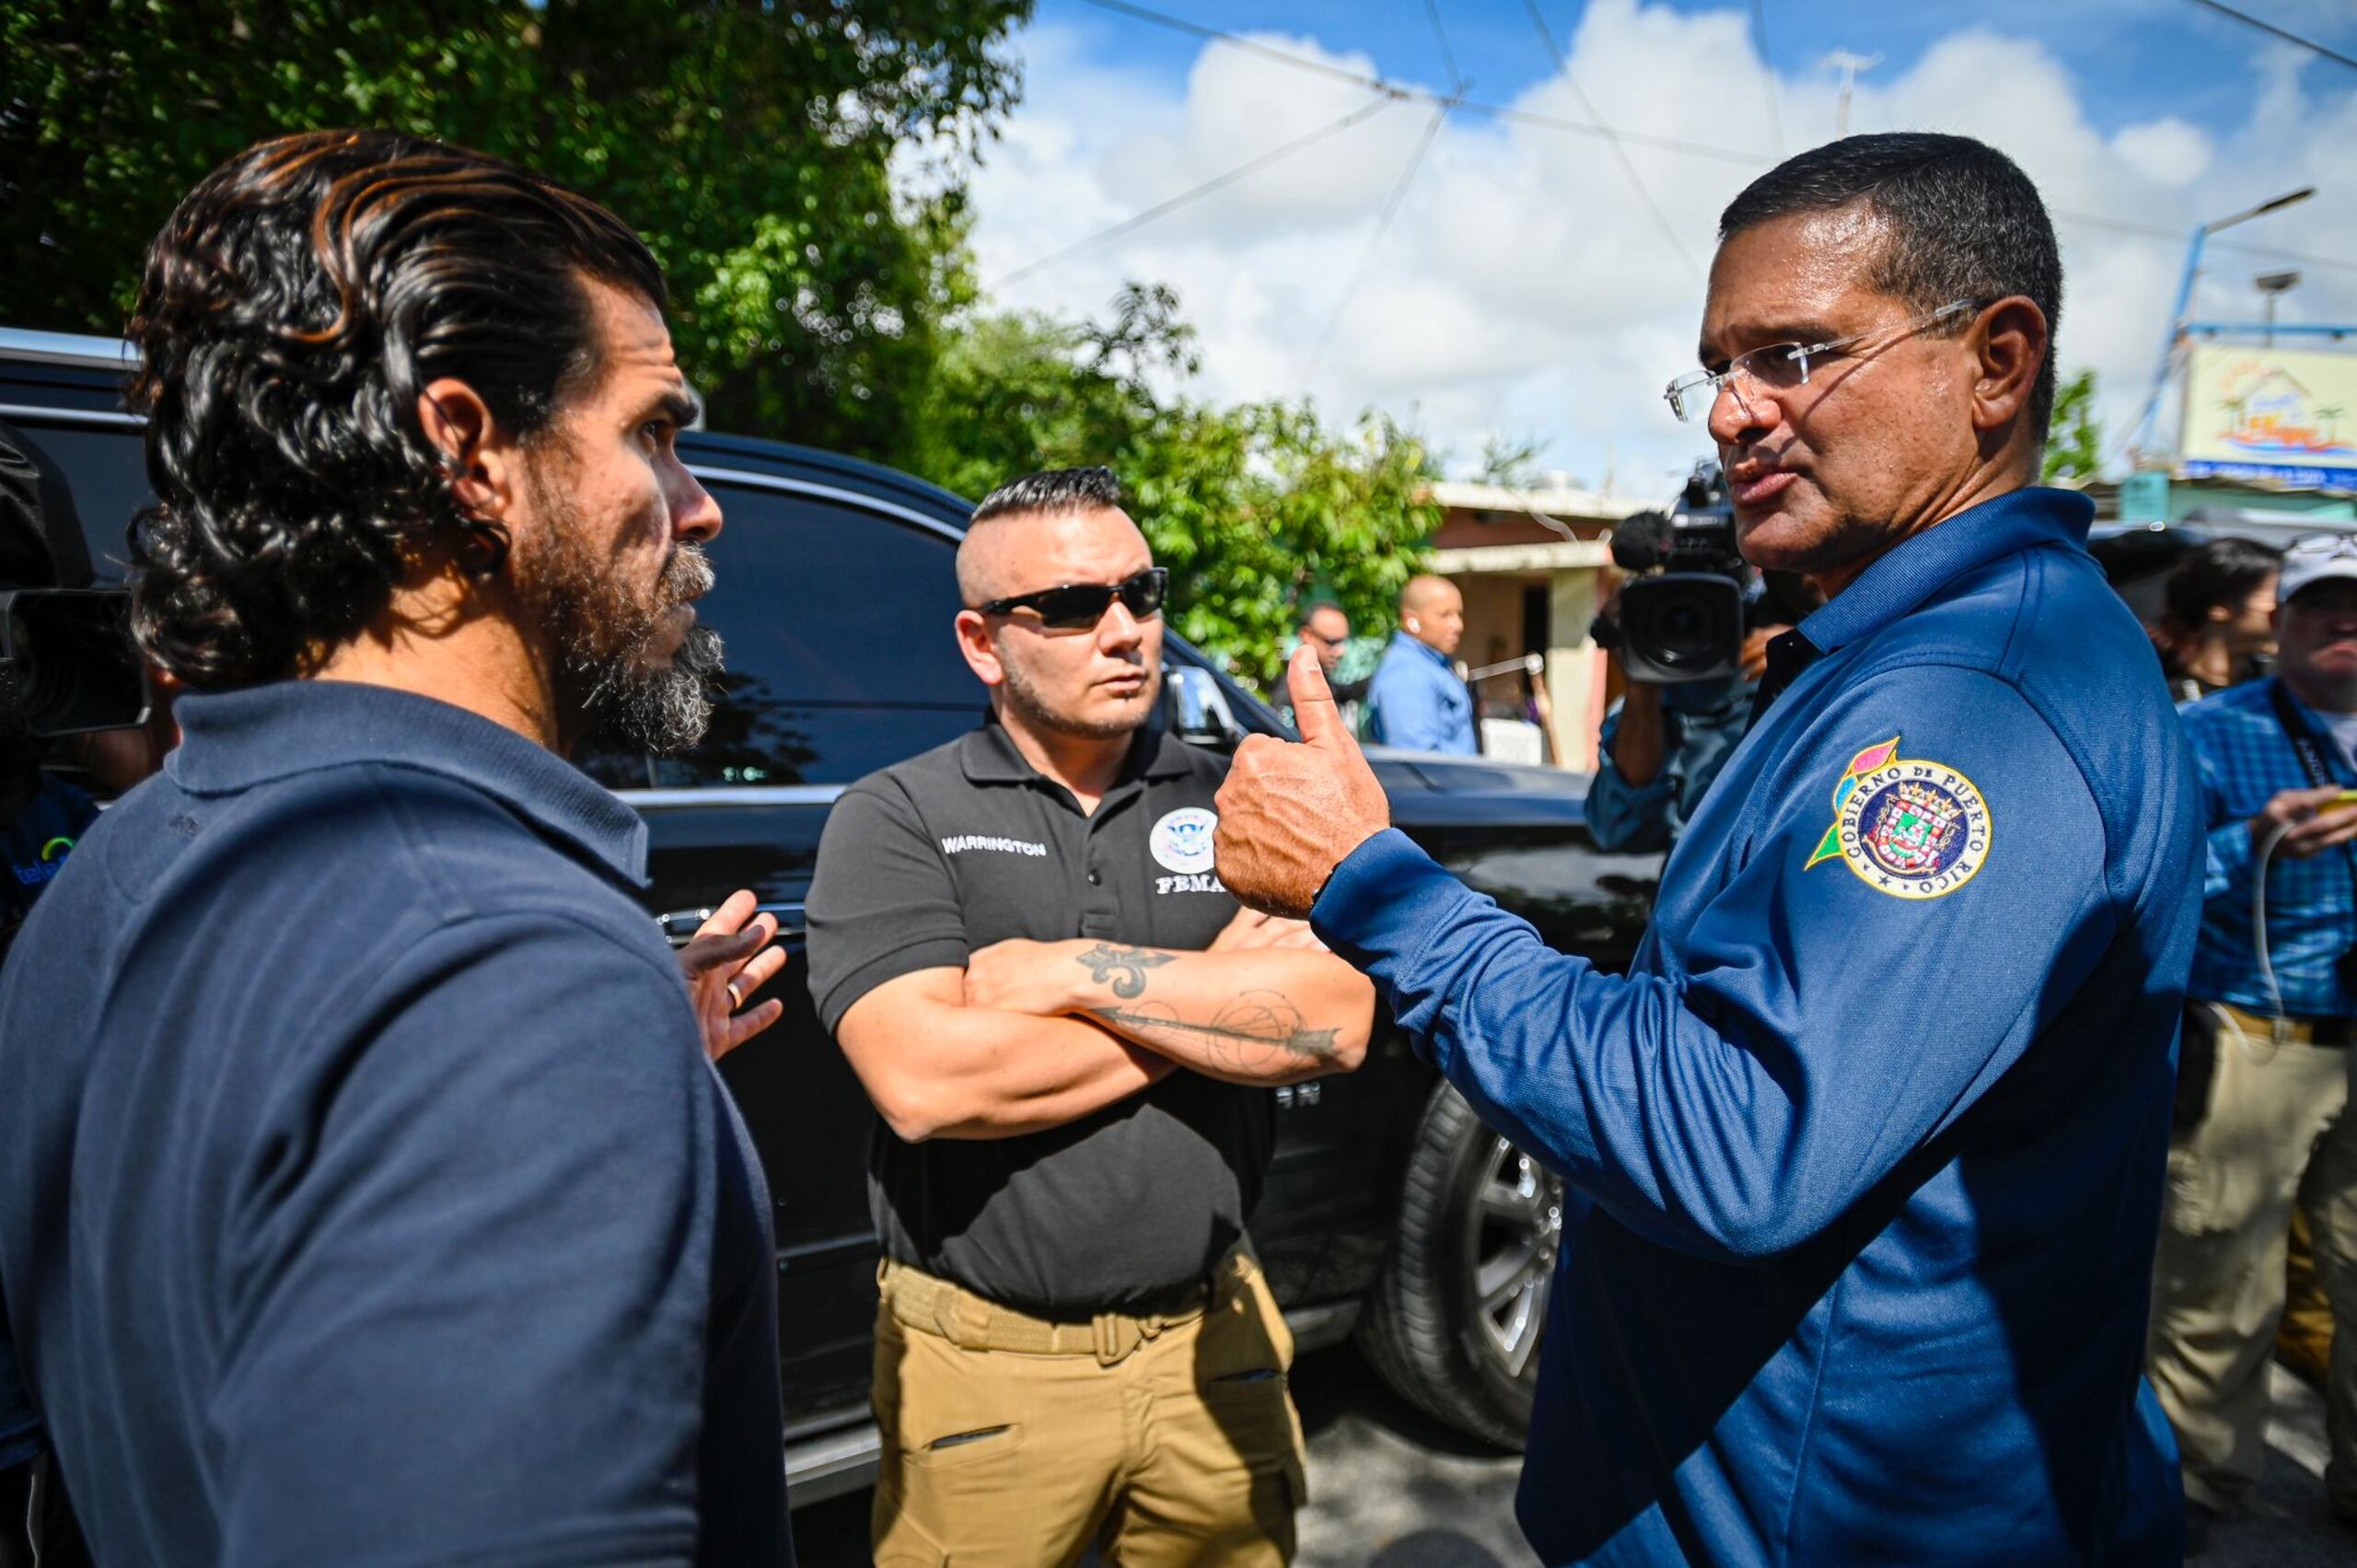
(1077, 607)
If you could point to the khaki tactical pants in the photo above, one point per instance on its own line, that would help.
(2273, 1134)
(1012, 1442)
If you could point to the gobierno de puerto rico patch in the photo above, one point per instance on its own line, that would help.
(1904, 826)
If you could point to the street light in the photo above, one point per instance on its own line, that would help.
(2184, 290)
(2274, 286)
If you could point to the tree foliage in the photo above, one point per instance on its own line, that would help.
(751, 142)
(796, 166)
(1253, 508)
(2074, 437)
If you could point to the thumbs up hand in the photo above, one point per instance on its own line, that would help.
(1288, 814)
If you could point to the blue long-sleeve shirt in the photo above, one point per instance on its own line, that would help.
(1871, 1137)
(1701, 722)
(2244, 760)
(1417, 703)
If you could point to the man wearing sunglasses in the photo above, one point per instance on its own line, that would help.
(1871, 1135)
(1069, 1028)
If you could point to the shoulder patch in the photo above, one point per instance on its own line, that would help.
(1907, 827)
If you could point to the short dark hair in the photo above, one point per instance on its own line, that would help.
(1964, 222)
(1052, 491)
(1310, 606)
(292, 310)
(2223, 572)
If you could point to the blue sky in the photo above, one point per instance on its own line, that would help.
(2133, 58)
(1527, 289)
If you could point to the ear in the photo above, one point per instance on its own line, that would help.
(2011, 342)
(981, 652)
(482, 456)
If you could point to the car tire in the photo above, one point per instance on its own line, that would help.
(1454, 1322)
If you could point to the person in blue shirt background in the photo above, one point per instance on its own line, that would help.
(1417, 702)
(1867, 1145)
(2269, 1038)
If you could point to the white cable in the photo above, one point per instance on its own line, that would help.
(2258, 928)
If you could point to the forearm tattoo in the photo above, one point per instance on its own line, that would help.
(1247, 1034)
(1122, 968)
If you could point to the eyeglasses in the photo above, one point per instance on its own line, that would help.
(1078, 607)
(1779, 368)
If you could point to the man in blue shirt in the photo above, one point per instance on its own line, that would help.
(2262, 1094)
(1870, 1137)
(365, 1194)
(1417, 701)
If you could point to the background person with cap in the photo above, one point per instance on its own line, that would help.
(2270, 1037)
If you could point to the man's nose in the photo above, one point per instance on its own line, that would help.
(694, 513)
(1119, 629)
(1736, 420)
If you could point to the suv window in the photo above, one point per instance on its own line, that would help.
(106, 467)
(840, 654)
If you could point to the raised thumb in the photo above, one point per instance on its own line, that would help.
(1314, 713)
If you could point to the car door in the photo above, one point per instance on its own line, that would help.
(835, 610)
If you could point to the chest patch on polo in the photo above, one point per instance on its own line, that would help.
(1181, 841)
(1907, 827)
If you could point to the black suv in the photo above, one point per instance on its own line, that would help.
(1389, 1208)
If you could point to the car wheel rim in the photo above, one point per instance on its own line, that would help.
(1516, 1230)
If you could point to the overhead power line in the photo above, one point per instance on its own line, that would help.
(2284, 33)
(1374, 241)
(1448, 56)
(1422, 95)
(1628, 164)
(1216, 183)
(1409, 91)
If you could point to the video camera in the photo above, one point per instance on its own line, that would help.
(67, 645)
(1683, 618)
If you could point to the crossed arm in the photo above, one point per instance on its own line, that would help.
(1033, 1035)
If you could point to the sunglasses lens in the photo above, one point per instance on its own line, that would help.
(1144, 593)
(1075, 609)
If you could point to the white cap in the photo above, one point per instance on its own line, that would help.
(2315, 560)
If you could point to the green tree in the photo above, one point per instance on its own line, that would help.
(2074, 438)
(753, 144)
(1253, 508)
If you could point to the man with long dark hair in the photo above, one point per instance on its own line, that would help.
(364, 1192)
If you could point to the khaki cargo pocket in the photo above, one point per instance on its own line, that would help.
(969, 1447)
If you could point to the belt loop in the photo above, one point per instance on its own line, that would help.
(1109, 1350)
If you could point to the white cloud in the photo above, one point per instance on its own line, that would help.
(1523, 288)
(2166, 151)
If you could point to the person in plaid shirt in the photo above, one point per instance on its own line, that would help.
(2264, 1067)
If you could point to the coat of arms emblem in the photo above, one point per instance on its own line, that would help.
(1907, 827)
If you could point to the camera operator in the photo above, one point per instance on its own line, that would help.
(41, 816)
(1663, 743)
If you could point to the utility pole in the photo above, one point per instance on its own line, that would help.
(1849, 64)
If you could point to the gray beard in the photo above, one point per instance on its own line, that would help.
(607, 680)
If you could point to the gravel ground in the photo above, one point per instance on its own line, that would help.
(1391, 1488)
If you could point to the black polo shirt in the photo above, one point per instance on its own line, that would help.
(968, 845)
